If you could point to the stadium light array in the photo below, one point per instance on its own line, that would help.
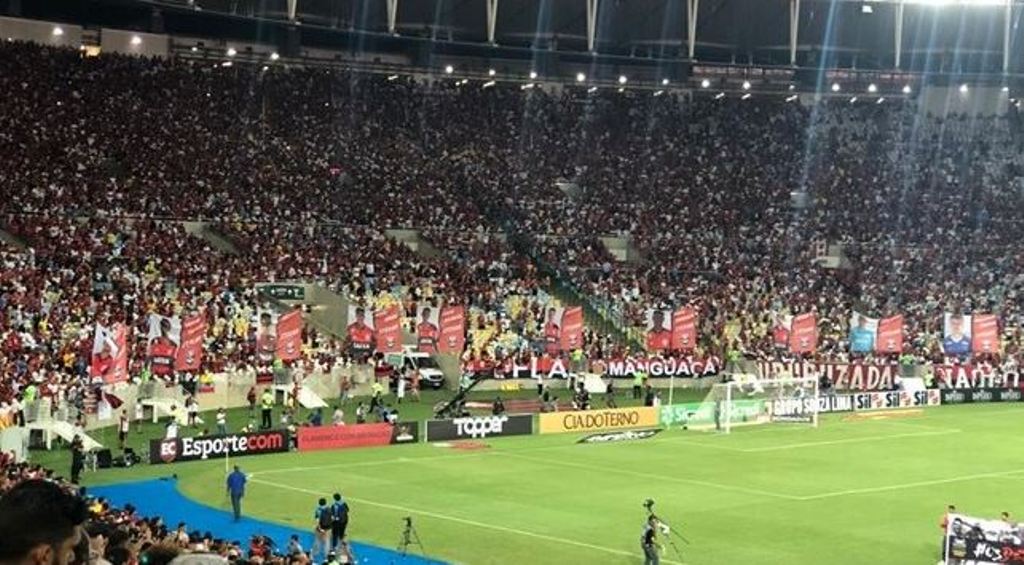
(488, 84)
(58, 31)
(664, 82)
(872, 88)
(393, 77)
(835, 87)
(136, 40)
(491, 72)
(705, 83)
(194, 49)
(746, 85)
(448, 69)
(1006, 89)
(719, 96)
(906, 89)
(580, 77)
(659, 92)
(745, 96)
(232, 52)
(623, 79)
(533, 75)
(274, 56)
(963, 88)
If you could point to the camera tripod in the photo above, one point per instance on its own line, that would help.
(409, 537)
(649, 506)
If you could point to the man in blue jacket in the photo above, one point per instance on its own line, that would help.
(236, 489)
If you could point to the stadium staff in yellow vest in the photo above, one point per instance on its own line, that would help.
(638, 383)
(266, 405)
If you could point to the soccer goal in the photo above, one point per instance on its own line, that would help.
(752, 401)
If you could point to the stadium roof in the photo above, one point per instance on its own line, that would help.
(946, 36)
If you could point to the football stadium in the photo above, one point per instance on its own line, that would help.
(471, 282)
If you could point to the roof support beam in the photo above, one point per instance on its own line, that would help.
(392, 6)
(1006, 36)
(898, 40)
(691, 27)
(794, 29)
(591, 24)
(492, 20)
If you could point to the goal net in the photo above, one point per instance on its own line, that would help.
(751, 401)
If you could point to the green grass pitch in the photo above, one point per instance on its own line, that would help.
(848, 492)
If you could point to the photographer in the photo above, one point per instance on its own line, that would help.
(322, 529)
(339, 515)
(649, 541)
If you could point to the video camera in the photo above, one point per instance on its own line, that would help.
(649, 505)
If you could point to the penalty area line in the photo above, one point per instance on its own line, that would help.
(887, 488)
(849, 440)
(465, 521)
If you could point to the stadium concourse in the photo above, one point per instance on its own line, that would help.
(302, 174)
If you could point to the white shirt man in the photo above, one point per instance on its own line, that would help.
(401, 388)
(172, 430)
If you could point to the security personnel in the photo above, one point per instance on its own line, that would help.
(649, 541)
(266, 405)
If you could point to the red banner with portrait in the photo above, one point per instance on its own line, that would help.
(453, 330)
(889, 338)
(388, 323)
(289, 336)
(572, 328)
(803, 335)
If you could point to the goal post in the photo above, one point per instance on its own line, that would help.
(752, 401)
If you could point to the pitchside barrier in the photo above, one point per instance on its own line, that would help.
(234, 445)
(597, 420)
(358, 435)
(479, 427)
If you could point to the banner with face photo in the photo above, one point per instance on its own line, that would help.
(388, 324)
(164, 336)
(360, 331)
(803, 335)
(890, 335)
(863, 331)
(266, 336)
(572, 328)
(985, 333)
(453, 330)
(190, 353)
(956, 334)
(657, 324)
(110, 354)
(428, 328)
(289, 335)
(684, 329)
(553, 330)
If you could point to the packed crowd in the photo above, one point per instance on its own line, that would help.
(304, 171)
(44, 518)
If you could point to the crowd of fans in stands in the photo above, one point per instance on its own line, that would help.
(95, 532)
(303, 172)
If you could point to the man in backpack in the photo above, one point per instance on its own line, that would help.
(322, 530)
(339, 511)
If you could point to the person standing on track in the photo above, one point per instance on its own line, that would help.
(324, 521)
(266, 405)
(339, 512)
(236, 489)
(649, 541)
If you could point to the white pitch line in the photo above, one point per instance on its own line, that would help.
(467, 522)
(655, 476)
(887, 488)
(850, 440)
